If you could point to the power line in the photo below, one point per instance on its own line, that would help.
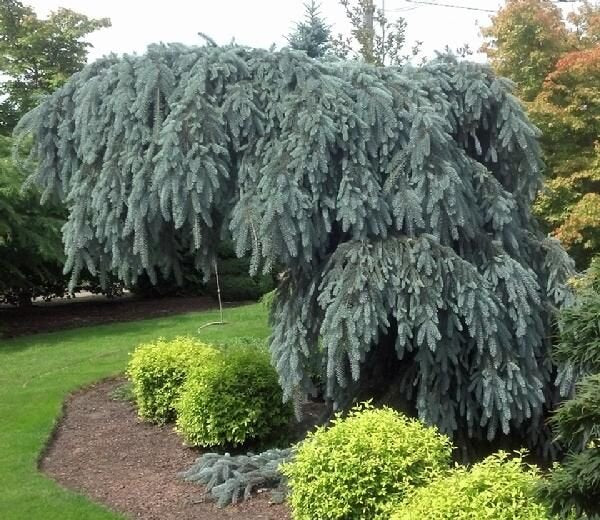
(423, 2)
(454, 6)
(403, 9)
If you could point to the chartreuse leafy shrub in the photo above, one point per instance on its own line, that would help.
(356, 467)
(498, 488)
(158, 370)
(232, 399)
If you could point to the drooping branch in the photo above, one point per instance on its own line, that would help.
(396, 201)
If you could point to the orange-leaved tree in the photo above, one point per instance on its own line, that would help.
(524, 41)
(556, 69)
(567, 110)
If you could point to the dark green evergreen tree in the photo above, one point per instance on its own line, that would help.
(36, 57)
(397, 202)
(312, 35)
(573, 488)
(31, 253)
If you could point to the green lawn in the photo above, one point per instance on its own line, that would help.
(36, 374)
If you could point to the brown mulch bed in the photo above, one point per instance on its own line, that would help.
(101, 449)
(93, 310)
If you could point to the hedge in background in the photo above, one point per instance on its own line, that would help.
(364, 461)
(235, 282)
(158, 371)
(499, 488)
(233, 399)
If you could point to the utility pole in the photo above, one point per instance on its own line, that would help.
(383, 25)
(369, 30)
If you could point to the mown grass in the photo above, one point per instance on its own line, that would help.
(38, 372)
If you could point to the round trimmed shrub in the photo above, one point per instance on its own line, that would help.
(231, 400)
(158, 370)
(356, 467)
(498, 488)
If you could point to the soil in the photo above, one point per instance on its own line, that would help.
(101, 449)
(82, 311)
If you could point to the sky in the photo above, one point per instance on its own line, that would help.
(260, 23)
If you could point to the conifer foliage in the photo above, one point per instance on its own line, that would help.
(396, 200)
(312, 35)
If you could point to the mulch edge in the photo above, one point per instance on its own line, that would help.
(59, 419)
(51, 439)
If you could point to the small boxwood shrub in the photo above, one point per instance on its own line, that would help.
(232, 400)
(354, 468)
(498, 488)
(158, 370)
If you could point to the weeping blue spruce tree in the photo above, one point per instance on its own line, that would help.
(395, 200)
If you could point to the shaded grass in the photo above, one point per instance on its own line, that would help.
(38, 372)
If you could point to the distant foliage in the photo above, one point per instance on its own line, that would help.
(158, 371)
(524, 42)
(586, 23)
(357, 466)
(498, 488)
(396, 203)
(231, 479)
(231, 400)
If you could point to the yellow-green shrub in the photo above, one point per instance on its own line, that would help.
(233, 399)
(158, 370)
(498, 488)
(354, 468)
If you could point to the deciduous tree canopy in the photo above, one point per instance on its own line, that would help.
(567, 110)
(524, 41)
(38, 55)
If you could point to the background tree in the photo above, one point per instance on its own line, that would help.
(396, 201)
(31, 253)
(312, 35)
(36, 57)
(567, 110)
(524, 42)
(586, 23)
(556, 68)
(373, 37)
